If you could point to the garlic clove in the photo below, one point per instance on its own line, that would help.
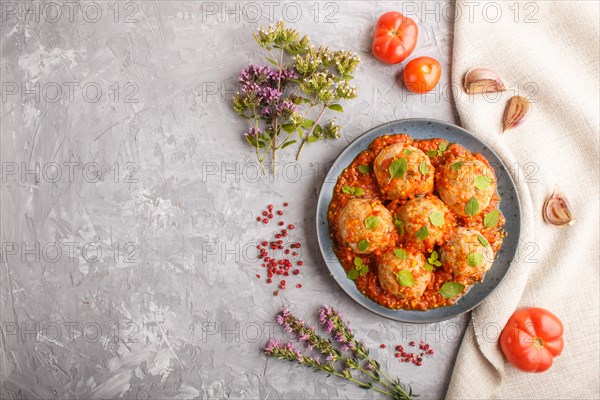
(557, 210)
(516, 110)
(483, 80)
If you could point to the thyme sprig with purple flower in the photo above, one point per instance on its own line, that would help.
(305, 82)
(334, 323)
(352, 362)
(306, 334)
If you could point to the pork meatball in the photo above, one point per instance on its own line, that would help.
(467, 254)
(413, 172)
(466, 185)
(424, 222)
(402, 273)
(366, 226)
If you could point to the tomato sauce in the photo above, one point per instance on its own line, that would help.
(353, 177)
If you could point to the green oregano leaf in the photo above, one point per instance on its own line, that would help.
(450, 290)
(308, 123)
(363, 245)
(353, 191)
(442, 146)
(423, 233)
(423, 168)
(400, 253)
(317, 131)
(289, 127)
(472, 207)
(436, 218)
(286, 144)
(483, 240)
(408, 152)
(336, 107)
(456, 166)
(434, 256)
(399, 224)
(372, 222)
(360, 267)
(432, 153)
(364, 169)
(482, 182)
(398, 169)
(433, 260)
(405, 278)
(490, 219)
(474, 259)
(352, 274)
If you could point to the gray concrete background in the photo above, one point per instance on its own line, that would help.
(125, 106)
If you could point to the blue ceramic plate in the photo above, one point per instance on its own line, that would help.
(509, 205)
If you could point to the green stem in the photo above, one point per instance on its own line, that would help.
(275, 128)
(312, 105)
(396, 386)
(258, 157)
(285, 141)
(374, 377)
(361, 351)
(304, 139)
(362, 384)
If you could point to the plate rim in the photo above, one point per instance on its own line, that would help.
(320, 199)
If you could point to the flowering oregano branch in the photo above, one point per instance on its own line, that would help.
(305, 82)
(351, 362)
(334, 323)
(306, 334)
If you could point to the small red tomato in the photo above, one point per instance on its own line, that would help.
(395, 37)
(531, 339)
(422, 74)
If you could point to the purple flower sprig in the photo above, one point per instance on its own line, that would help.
(287, 352)
(340, 330)
(305, 82)
(263, 102)
(335, 362)
(335, 324)
(307, 335)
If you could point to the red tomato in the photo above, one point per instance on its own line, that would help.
(395, 37)
(422, 74)
(531, 339)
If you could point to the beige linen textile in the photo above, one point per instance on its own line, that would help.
(552, 57)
